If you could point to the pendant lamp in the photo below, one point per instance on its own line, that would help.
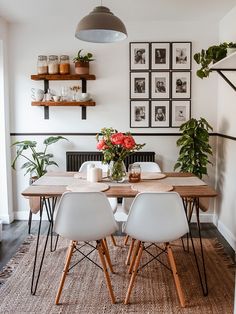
(101, 26)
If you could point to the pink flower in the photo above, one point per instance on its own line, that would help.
(101, 145)
(117, 138)
(129, 142)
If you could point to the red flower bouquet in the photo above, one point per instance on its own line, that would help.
(115, 146)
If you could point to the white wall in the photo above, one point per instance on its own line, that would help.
(226, 167)
(6, 210)
(110, 90)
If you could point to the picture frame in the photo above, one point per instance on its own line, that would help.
(139, 85)
(160, 55)
(181, 84)
(160, 85)
(139, 56)
(160, 114)
(181, 55)
(180, 112)
(139, 113)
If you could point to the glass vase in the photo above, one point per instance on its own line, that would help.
(117, 171)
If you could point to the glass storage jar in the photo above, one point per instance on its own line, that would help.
(134, 173)
(53, 64)
(42, 65)
(64, 66)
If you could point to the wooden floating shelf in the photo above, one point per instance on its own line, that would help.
(64, 103)
(63, 77)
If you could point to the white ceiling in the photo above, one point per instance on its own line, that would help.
(127, 10)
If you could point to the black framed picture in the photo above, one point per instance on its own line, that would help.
(160, 113)
(181, 112)
(139, 56)
(139, 113)
(181, 55)
(181, 84)
(160, 59)
(160, 85)
(139, 85)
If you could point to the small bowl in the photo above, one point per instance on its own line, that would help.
(56, 98)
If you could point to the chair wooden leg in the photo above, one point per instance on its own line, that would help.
(107, 254)
(135, 253)
(107, 277)
(134, 273)
(175, 275)
(113, 240)
(65, 271)
(130, 252)
(126, 240)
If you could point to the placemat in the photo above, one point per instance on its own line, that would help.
(151, 187)
(152, 175)
(50, 180)
(88, 187)
(182, 181)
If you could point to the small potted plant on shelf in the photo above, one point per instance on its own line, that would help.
(82, 62)
(212, 55)
(195, 147)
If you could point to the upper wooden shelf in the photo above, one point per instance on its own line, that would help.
(62, 77)
(228, 63)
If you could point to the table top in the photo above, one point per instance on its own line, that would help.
(120, 190)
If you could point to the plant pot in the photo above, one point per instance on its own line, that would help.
(230, 51)
(34, 201)
(81, 67)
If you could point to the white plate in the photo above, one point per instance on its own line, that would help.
(90, 187)
(152, 175)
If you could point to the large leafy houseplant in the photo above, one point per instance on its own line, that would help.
(195, 148)
(37, 162)
(211, 55)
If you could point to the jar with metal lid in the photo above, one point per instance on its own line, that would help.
(42, 65)
(64, 66)
(53, 67)
(134, 173)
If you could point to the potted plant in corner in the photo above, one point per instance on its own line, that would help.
(212, 55)
(36, 164)
(82, 62)
(195, 147)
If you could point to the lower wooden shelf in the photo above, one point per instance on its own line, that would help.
(63, 103)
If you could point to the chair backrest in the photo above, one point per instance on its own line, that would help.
(149, 166)
(84, 216)
(99, 164)
(157, 217)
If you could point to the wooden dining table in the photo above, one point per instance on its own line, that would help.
(50, 193)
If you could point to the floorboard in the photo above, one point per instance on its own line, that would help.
(15, 233)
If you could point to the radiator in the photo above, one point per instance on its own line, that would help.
(75, 159)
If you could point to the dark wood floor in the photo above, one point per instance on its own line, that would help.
(15, 233)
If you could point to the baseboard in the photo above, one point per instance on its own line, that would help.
(24, 215)
(204, 218)
(227, 234)
(7, 219)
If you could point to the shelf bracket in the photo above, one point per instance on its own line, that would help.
(83, 109)
(46, 108)
(226, 78)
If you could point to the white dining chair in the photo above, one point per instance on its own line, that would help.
(85, 216)
(156, 218)
(146, 166)
(112, 200)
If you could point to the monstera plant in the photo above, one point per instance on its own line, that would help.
(194, 147)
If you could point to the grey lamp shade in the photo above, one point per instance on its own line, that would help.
(101, 26)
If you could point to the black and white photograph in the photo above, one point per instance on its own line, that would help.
(160, 56)
(139, 114)
(181, 56)
(160, 86)
(181, 84)
(139, 84)
(180, 112)
(160, 113)
(139, 56)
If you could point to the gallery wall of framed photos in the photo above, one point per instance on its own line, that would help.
(160, 84)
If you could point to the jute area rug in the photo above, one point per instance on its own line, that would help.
(85, 289)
